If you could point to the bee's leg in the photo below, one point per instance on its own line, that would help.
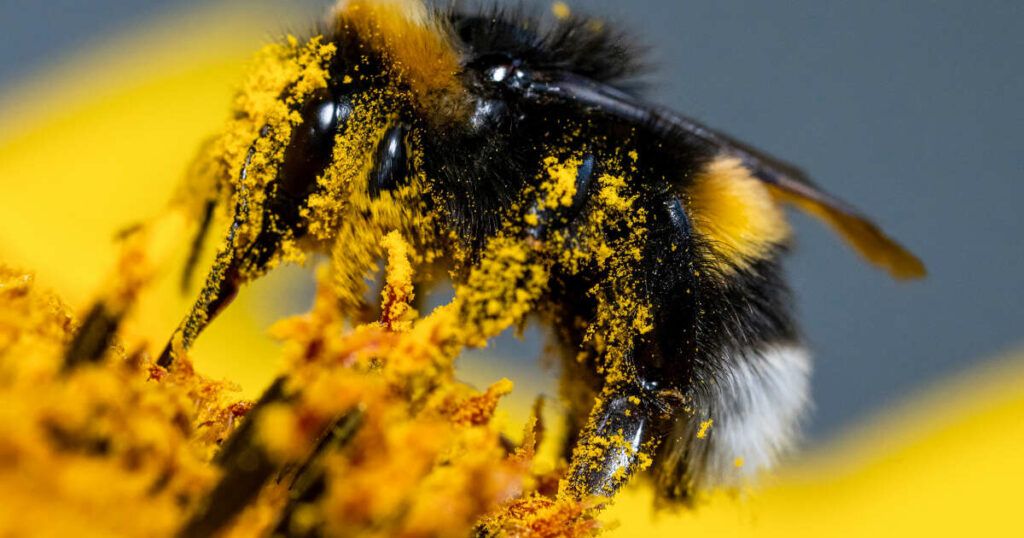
(620, 438)
(230, 270)
(633, 416)
(225, 277)
(220, 289)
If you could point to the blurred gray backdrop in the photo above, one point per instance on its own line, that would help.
(910, 110)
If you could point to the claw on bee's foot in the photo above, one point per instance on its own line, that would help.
(619, 440)
(168, 354)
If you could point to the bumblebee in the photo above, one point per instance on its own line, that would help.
(514, 155)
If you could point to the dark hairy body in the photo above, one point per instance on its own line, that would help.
(661, 257)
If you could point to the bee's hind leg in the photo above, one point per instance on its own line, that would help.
(624, 430)
(632, 416)
(221, 286)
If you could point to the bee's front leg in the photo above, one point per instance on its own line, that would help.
(222, 283)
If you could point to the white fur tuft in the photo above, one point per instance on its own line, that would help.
(757, 405)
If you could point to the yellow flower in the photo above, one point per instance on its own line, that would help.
(99, 145)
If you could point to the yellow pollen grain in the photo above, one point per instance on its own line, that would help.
(704, 427)
(418, 48)
(561, 186)
(560, 10)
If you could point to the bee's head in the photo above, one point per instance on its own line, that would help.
(348, 144)
(315, 137)
(316, 157)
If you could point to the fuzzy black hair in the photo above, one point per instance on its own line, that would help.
(582, 45)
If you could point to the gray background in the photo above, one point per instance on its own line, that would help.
(911, 110)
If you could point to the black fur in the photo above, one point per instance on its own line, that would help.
(699, 313)
(582, 45)
(479, 171)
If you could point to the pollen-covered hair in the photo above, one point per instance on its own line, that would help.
(407, 39)
(518, 155)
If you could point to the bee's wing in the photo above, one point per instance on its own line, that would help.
(787, 182)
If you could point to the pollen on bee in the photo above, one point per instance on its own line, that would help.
(415, 45)
(704, 427)
(561, 10)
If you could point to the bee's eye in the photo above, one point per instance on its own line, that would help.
(390, 167)
(312, 142)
